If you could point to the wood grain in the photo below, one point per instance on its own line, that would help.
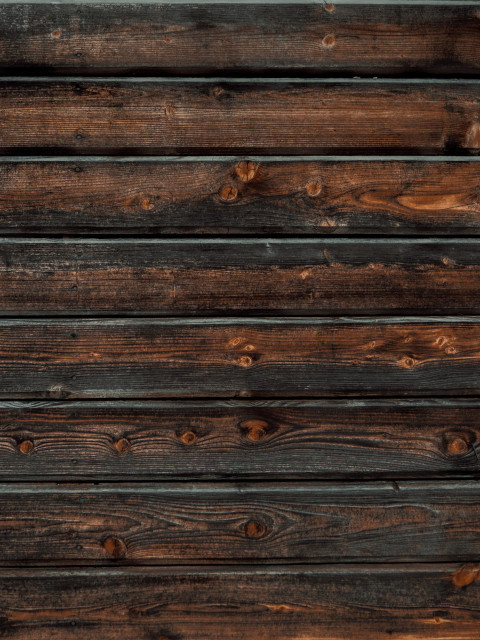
(239, 439)
(271, 197)
(202, 523)
(218, 276)
(254, 357)
(238, 116)
(331, 602)
(239, 39)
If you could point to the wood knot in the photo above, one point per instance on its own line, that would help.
(122, 445)
(246, 170)
(115, 547)
(458, 444)
(146, 204)
(328, 41)
(313, 189)
(254, 529)
(255, 429)
(56, 34)
(228, 193)
(245, 361)
(26, 446)
(466, 575)
(330, 8)
(407, 363)
(188, 437)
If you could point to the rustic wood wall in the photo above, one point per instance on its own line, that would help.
(240, 320)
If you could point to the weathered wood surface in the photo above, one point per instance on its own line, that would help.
(238, 357)
(238, 116)
(239, 439)
(239, 196)
(297, 39)
(331, 602)
(218, 276)
(210, 523)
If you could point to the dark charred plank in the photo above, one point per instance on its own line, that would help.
(297, 39)
(275, 276)
(238, 116)
(239, 439)
(242, 196)
(328, 602)
(236, 357)
(202, 523)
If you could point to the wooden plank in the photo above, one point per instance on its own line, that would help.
(283, 439)
(235, 195)
(234, 38)
(331, 602)
(274, 276)
(237, 357)
(238, 116)
(217, 523)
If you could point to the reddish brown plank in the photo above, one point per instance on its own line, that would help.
(239, 439)
(322, 603)
(309, 38)
(218, 276)
(264, 197)
(242, 523)
(236, 357)
(238, 116)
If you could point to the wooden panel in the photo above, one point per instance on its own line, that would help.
(232, 38)
(330, 603)
(239, 439)
(160, 358)
(183, 523)
(239, 196)
(189, 116)
(318, 277)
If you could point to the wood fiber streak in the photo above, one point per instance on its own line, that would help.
(239, 439)
(182, 524)
(149, 117)
(240, 196)
(316, 277)
(333, 602)
(239, 39)
(155, 358)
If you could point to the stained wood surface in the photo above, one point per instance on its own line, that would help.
(236, 195)
(239, 439)
(328, 602)
(251, 357)
(317, 39)
(202, 523)
(218, 276)
(274, 117)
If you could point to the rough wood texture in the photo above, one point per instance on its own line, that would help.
(170, 117)
(239, 196)
(329, 603)
(246, 39)
(191, 524)
(290, 357)
(165, 277)
(239, 439)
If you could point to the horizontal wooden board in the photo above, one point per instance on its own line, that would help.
(236, 357)
(218, 276)
(331, 602)
(204, 523)
(235, 195)
(238, 116)
(239, 439)
(234, 38)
